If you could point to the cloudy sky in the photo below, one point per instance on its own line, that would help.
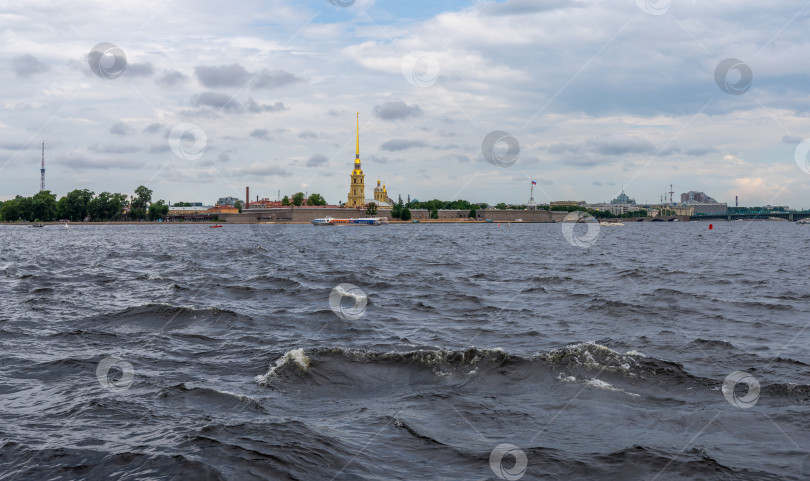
(597, 94)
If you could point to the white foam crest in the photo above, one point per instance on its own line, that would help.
(595, 383)
(296, 356)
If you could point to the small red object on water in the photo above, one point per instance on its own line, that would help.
(711, 227)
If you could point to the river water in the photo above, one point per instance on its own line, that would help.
(661, 351)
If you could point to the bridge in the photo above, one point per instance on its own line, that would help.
(753, 216)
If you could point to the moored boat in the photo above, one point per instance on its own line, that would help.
(333, 221)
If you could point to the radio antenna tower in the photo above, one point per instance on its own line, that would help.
(42, 170)
(670, 193)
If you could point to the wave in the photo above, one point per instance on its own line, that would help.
(595, 366)
(167, 317)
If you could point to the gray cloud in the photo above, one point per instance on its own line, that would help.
(263, 134)
(153, 128)
(224, 157)
(140, 69)
(397, 110)
(80, 162)
(113, 149)
(619, 144)
(317, 160)
(27, 65)
(700, 151)
(158, 148)
(171, 78)
(394, 145)
(265, 170)
(307, 134)
(226, 103)
(121, 128)
(609, 145)
(254, 107)
(233, 75)
(526, 7)
(16, 145)
(267, 79)
(791, 139)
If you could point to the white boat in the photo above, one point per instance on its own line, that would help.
(333, 221)
(610, 222)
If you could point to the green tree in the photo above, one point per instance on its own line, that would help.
(316, 199)
(298, 199)
(371, 209)
(74, 205)
(158, 210)
(396, 211)
(44, 206)
(140, 202)
(12, 211)
(434, 214)
(182, 204)
(237, 204)
(285, 200)
(501, 206)
(472, 212)
(406, 213)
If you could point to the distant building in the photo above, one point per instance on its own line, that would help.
(705, 208)
(567, 203)
(231, 201)
(623, 199)
(693, 197)
(614, 208)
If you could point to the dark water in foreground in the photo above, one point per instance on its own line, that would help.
(183, 352)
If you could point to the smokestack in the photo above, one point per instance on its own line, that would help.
(736, 201)
(247, 197)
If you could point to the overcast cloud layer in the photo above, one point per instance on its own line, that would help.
(599, 95)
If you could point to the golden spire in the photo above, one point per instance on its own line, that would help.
(357, 149)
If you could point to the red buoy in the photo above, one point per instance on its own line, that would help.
(711, 227)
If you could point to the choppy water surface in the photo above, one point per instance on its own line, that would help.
(183, 352)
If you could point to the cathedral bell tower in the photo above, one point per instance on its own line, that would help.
(357, 187)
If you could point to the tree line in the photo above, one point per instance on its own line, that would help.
(83, 204)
